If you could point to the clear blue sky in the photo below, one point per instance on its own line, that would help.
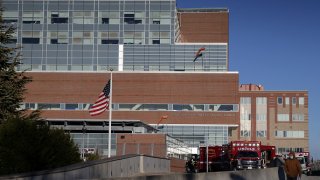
(275, 43)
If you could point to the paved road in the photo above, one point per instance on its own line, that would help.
(304, 177)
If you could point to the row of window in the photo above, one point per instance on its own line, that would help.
(87, 37)
(286, 100)
(247, 133)
(138, 107)
(285, 149)
(84, 67)
(286, 117)
(280, 100)
(279, 134)
(281, 117)
(87, 17)
(289, 134)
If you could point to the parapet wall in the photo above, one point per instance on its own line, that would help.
(124, 166)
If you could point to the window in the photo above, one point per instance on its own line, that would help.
(261, 117)
(49, 106)
(108, 37)
(134, 17)
(294, 100)
(287, 100)
(10, 17)
(153, 107)
(156, 41)
(58, 17)
(30, 106)
(279, 100)
(182, 107)
(222, 107)
(301, 101)
(289, 134)
(283, 117)
(245, 100)
(31, 37)
(57, 37)
(82, 37)
(133, 38)
(32, 17)
(159, 38)
(109, 18)
(282, 150)
(83, 17)
(297, 117)
(163, 17)
(72, 107)
(261, 100)
(261, 134)
(245, 133)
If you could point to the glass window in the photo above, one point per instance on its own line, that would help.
(55, 17)
(245, 133)
(82, 37)
(153, 107)
(261, 100)
(279, 100)
(298, 117)
(108, 37)
(83, 17)
(109, 18)
(287, 100)
(57, 37)
(158, 17)
(261, 134)
(72, 107)
(182, 107)
(32, 17)
(198, 107)
(10, 16)
(30, 106)
(261, 117)
(133, 37)
(301, 100)
(283, 117)
(127, 106)
(294, 100)
(31, 37)
(245, 100)
(134, 17)
(49, 106)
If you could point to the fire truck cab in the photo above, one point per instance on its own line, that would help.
(245, 155)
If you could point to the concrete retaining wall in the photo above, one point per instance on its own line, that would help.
(262, 174)
(124, 166)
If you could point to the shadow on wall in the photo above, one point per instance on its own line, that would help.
(234, 176)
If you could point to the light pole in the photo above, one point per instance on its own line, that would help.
(110, 114)
(84, 129)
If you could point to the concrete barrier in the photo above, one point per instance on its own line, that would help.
(123, 166)
(262, 174)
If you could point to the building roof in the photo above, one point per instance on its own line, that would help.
(203, 10)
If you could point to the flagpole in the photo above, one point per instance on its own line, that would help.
(110, 115)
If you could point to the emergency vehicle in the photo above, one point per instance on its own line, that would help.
(304, 159)
(245, 155)
(235, 156)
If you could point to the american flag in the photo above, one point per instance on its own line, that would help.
(102, 103)
(199, 53)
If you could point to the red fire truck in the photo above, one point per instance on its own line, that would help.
(235, 156)
(245, 155)
(268, 153)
